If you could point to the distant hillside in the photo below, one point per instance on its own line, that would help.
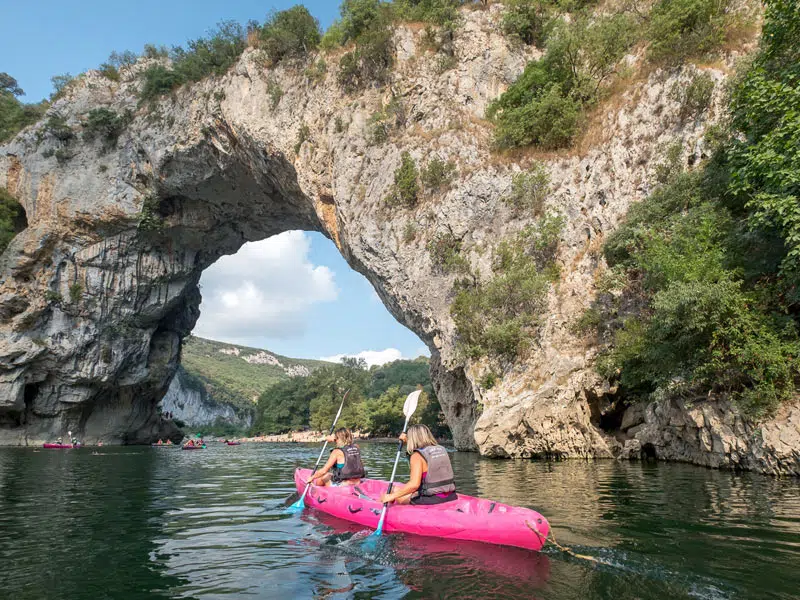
(237, 375)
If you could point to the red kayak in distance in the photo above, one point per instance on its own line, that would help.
(61, 446)
(234, 443)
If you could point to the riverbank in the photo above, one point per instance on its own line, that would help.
(299, 437)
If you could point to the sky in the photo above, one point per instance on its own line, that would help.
(292, 294)
(42, 38)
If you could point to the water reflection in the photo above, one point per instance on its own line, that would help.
(142, 523)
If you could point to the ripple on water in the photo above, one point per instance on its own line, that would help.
(141, 523)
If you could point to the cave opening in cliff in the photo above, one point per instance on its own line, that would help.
(276, 309)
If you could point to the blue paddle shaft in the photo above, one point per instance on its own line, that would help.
(299, 504)
(391, 481)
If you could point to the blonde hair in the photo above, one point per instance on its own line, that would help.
(343, 436)
(419, 436)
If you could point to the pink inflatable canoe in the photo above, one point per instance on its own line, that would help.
(234, 443)
(467, 518)
(61, 446)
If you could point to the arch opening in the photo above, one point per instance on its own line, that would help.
(277, 313)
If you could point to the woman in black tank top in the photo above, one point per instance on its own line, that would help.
(344, 465)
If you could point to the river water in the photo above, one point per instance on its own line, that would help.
(134, 523)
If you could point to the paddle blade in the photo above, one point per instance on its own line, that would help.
(296, 507)
(410, 405)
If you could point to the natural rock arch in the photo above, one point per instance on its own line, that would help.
(97, 350)
(97, 292)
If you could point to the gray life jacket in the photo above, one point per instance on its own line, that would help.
(353, 467)
(439, 479)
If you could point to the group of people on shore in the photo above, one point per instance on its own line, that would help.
(431, 480)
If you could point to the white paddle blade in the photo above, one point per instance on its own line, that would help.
(410, 405)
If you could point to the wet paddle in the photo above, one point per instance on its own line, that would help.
(409, 406)
(300, 504)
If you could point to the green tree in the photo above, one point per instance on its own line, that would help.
(15, 115)
(290, 33)
(284, 407)
(328, 386)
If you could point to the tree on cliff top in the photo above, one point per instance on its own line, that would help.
(290, 33)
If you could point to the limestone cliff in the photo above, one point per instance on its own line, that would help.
(98, 291)
(191, 404)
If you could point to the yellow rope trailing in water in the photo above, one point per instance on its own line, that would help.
(559, 546)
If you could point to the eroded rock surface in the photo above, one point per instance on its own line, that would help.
(191, 404)
(98, 292)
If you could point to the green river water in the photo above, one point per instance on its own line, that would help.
(139, 522)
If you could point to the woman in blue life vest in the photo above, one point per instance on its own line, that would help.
(344, 466)
(431, 480)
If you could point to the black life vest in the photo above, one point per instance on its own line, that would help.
(440, 478)
(353, 467)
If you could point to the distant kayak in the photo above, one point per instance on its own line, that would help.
(203, 447)
(466, 518)
(234, 443)
(61, 446)
(164, 445)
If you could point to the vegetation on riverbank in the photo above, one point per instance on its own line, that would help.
(703, 292)
(374, 404)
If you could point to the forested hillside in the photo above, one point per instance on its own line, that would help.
(238, 375)
(374, 403)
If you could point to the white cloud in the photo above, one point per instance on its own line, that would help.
(264, 290)
(373, 357)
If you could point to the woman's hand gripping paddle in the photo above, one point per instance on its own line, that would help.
(300, 504)
(409, 406)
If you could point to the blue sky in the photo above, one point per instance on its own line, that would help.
(292, 294)
(42, 38)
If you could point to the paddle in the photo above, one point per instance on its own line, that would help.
(409, 406)
(300, 504)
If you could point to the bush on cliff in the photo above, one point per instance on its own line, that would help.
(212, 55)
(680, 29)
(498, 318)
(712, 256)
(545, 106)
(15, 115)
(290, 33)
(367, 23)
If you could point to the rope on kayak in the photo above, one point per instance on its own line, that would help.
(564, 549)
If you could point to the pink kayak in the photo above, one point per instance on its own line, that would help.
(61, 446)
(467, 518)
(234, 443)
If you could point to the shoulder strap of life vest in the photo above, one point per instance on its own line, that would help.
(439, 478)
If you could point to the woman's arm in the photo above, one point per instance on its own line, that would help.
(328, 465)
(414, 480)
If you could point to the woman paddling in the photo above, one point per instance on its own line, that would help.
(431, 480)
(344, 466)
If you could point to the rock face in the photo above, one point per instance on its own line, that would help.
(191, 404)
(97, 293)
